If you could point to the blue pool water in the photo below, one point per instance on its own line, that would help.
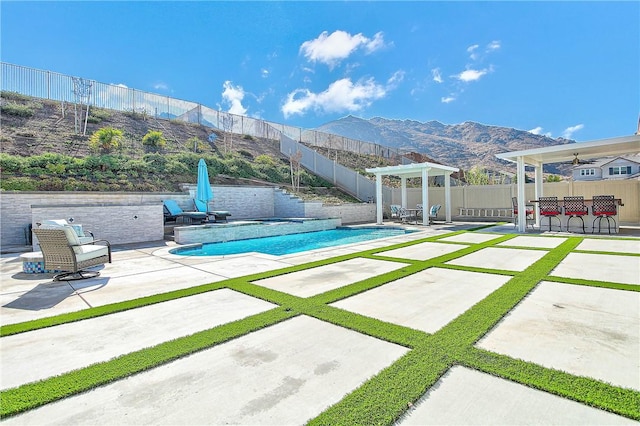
(292, 243)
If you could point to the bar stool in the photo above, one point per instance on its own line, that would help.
(574, 207)
(549, 207)
(604, 206)
(528, 211)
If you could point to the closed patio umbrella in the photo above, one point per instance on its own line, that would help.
(203, 188)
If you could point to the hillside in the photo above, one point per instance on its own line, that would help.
(40, 131)
(461, 145)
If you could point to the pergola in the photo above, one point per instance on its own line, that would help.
(560, 153)
(421, 170)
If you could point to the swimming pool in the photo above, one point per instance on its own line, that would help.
(292, 243)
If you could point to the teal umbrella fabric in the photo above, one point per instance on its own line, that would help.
(203, 188)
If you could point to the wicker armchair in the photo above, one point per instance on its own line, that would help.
(62, 251)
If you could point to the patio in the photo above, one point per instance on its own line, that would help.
(448, 325)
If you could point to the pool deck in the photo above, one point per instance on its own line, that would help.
(291, 371)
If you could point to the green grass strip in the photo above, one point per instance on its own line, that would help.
(383, 398)
(592, 283)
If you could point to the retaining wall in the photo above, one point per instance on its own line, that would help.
(108, 211)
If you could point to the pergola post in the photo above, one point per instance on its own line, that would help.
(403, 191)
(425, 196)
(538, 191)
(447, 196)
(522, 213)
(379, 201)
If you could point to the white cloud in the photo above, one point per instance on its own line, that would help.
(160, 86)
(233, 96)
(470, 75)
(494, 45)
(341, 96)
(395, 79)
(437, 77)
(471, 50)
(538, 131)
(264, 73)
(569, 131)
(332, 48)
(447, 99)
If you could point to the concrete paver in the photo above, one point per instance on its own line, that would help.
(66, 347)
(425, 301)
(328, 277)
(467, 397)
(471, 237)
(614, 246)
(537, 242)
(422, 251)
(587, 331)
(500, 258)
(600, 267)
(274, 376)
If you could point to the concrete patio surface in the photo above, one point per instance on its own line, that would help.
(587, 331)
(291, 371)
(468, 397)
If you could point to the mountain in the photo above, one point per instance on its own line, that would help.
(460, 145)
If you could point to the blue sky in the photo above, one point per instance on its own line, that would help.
(569, 69)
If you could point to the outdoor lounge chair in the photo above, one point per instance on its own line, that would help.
(395, 211)
(172, 211)
(62, 251)
(433, 212)
(217, 215)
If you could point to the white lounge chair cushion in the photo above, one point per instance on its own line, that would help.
(61, 223)
(90, 251)
(69, 232)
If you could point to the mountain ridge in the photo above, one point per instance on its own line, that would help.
(463, 145)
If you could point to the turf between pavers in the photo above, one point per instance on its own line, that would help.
(384, 397)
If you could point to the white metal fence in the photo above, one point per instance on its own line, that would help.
(64, 88)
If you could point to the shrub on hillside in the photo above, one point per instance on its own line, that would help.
(11, 163)
(96, 115)
(14, 96)
(17, 110)
(154, 139)
(105, 139)
(197, 145)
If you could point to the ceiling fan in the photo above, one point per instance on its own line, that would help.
(576, 161)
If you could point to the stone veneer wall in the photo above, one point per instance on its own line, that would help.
(116, 223)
